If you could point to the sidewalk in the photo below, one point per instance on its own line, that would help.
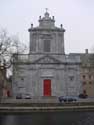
(30, 109)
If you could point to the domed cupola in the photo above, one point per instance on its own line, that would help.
(46, 15)
(46, 21)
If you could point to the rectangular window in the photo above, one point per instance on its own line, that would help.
(46, 45)
(84, 83)
(90, 82)
(71, 78)
(89, 76)
(84, 76)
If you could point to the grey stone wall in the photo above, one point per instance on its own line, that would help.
(56, 41)
(28, 78)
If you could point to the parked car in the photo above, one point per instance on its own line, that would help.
(61, 98)
(68, 99)
(27, 96)
(83, 96)
(19, 96)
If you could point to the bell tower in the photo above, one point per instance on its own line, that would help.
(47, 38)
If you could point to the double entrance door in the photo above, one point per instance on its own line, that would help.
(47, 87)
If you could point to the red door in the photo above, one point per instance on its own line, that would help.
(47, 87)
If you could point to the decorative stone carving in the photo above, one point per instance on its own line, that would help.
(47, 60)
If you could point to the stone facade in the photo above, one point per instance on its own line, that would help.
(46, 70)
(87, 73)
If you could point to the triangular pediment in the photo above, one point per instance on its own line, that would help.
(47, 60)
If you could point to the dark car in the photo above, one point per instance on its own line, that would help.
(61, 98)
(68, 99)
(83, 96)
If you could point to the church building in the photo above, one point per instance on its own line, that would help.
(46, 70)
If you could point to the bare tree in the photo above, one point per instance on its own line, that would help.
(8, 46)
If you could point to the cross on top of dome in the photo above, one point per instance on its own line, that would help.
(46, 13)
(46, 21)
(46, 9)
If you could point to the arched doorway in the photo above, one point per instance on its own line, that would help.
(47, 87)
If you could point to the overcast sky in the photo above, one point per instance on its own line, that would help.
(77, 17)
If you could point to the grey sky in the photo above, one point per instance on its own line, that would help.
(77, 17)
